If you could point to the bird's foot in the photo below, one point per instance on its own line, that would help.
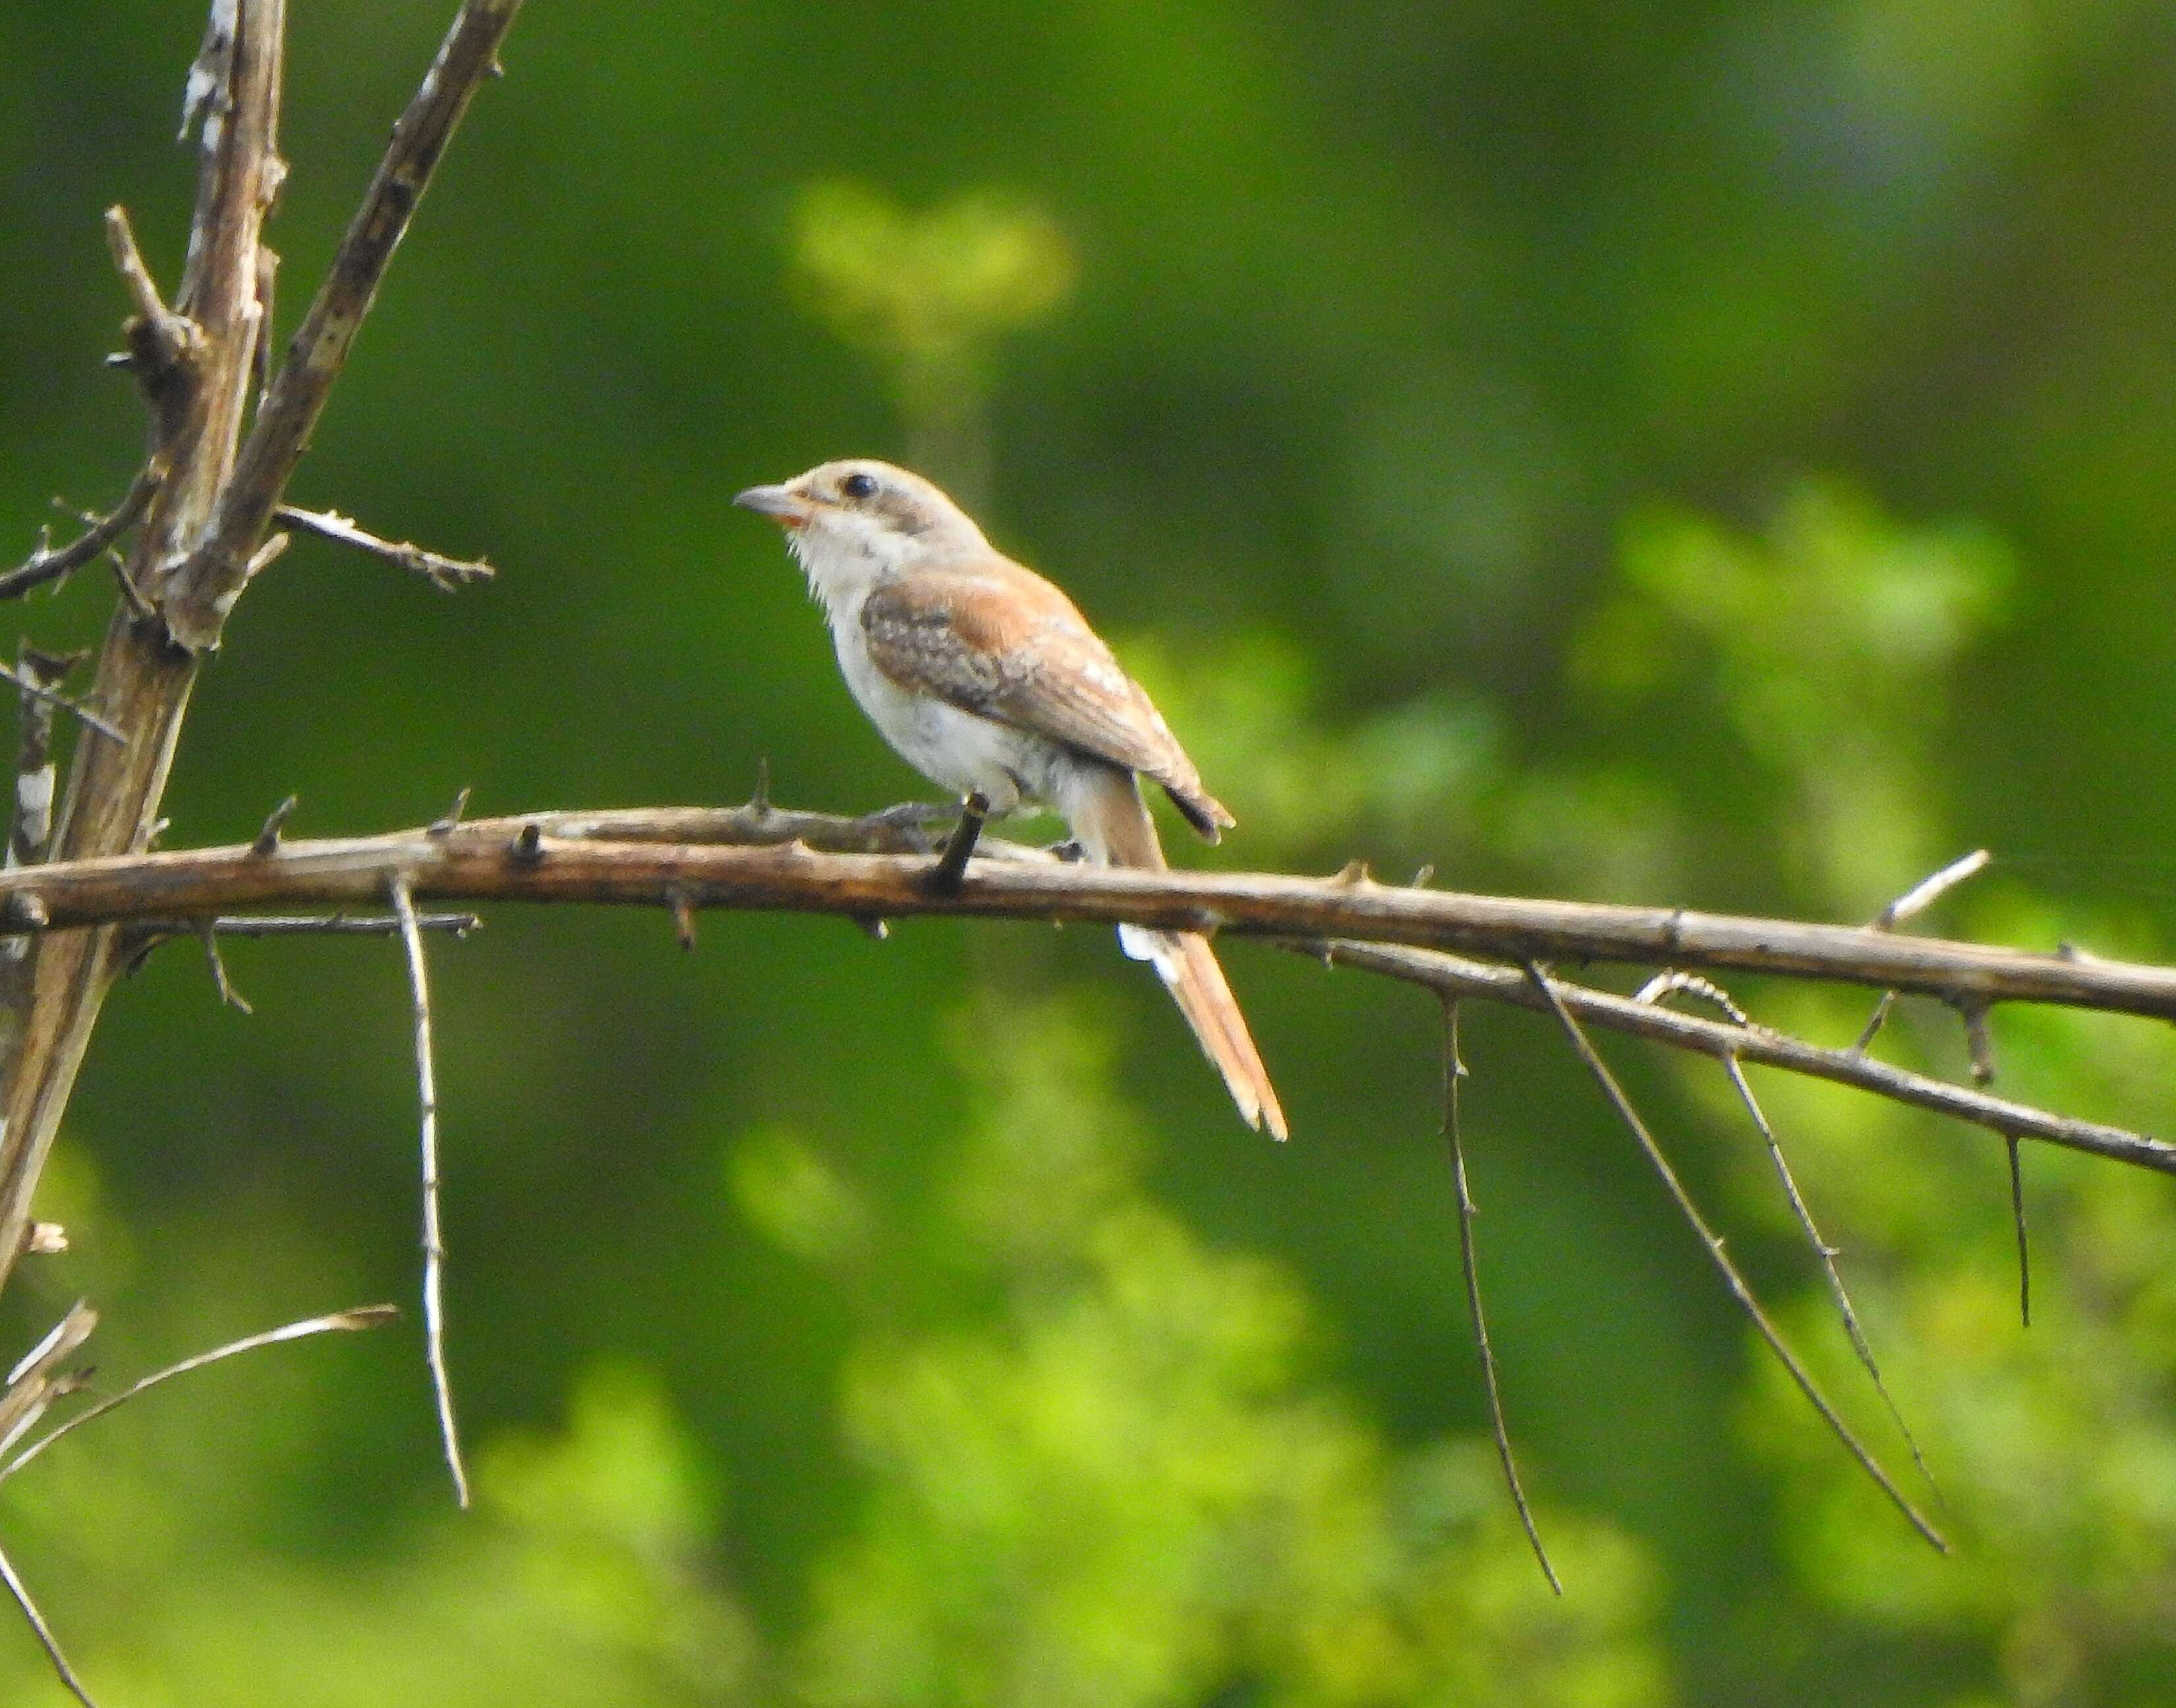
(953, 862)
(1069, 850)
(908, 824)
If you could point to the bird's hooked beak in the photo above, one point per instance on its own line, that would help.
(782, 504)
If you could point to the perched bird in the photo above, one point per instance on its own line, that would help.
(986, 679)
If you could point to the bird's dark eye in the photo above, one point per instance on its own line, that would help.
(858, 486)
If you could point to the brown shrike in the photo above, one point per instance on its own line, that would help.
(986, 679)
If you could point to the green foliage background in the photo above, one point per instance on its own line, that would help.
(1718, 455)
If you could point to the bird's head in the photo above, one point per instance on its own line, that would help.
(856, 522)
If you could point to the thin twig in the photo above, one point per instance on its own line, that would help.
(1925, 894)
(131, 594)
(1721, 1259)
(1654, 991)
(1979, 1041)
(2024, 1247)
(434, 1243)
(165, 348)
(1827, 1255)
(338, 1322)
(1454, 1072)
(228, 994)
(44, 1632)
(447, 574)
(128, 262)
(75, 709)
(262, 925)
(1454, 975)
(1665, 984)
(1908, 906)
(44, 564)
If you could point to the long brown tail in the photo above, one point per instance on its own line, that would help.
(1103, 805)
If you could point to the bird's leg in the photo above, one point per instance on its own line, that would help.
(954, 862)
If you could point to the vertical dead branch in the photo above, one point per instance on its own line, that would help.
(434, 1240)
(144, 681)
(203, 527)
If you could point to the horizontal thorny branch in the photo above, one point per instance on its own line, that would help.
(761, 857)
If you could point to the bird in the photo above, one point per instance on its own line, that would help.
(987, 679)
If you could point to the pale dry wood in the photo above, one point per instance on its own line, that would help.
(434, 1233)
(761, 857)
(44, 1633)
(206, 587)
(205, 525)
(143, 682)
(33, 1385)
(37, 1379)
(338, 1322)
(447, 574)
(471, 861)
(31, 829)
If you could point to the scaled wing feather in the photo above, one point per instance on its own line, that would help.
(998, 640)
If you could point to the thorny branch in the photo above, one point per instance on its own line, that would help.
(1733, 1280)
(1657, 989)
(741, 858)
(201, 511)
(49, 564)
(447, 574)
(206, 587)
(206, 525)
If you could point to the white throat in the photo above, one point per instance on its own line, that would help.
(843, 556)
